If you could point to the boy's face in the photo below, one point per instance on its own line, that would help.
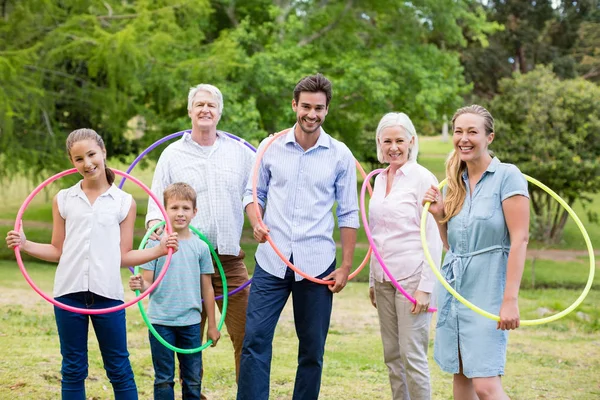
(180, 213)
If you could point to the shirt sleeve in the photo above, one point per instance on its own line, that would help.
(513, 183)
(160, 181)
(346, 194)
(434, 241)
(151, 265)
(205, 259)
(125, 206)
(262, 185)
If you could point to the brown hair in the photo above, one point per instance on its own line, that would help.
(456, 191)
(314, 84)
(89, 134)
(179, 191)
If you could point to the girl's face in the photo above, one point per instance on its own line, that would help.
(470, 141)
(394, 145)
(89, 158)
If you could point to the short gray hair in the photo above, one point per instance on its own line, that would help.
(205, 87)
(391, 120)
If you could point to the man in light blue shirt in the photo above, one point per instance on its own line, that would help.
(301, 176)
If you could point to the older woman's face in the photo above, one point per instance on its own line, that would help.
(394, 144)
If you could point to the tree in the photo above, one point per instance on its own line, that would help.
(550, 129)
(100, 63)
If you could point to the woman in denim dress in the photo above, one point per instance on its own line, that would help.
(483, 219)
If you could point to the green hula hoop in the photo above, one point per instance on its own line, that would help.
(223, 279)
(486, 314)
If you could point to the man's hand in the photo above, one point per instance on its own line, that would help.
(340, 276)
(156, 234)
(213, 334)
(260, 233)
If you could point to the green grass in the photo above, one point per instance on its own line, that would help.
(559, 360)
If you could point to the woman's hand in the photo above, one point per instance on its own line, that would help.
(509, 315)
(422, 302)
(372, 296)
(14, 239)
(436, 208)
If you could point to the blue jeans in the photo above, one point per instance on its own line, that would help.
(312, 313)
(112, 339)
(163, 359)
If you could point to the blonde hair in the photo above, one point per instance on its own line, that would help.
(402, 120)
(179, 191)
(456, 189)
(89, 134)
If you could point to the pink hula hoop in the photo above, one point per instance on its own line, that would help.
(77, 309)
(372, 243)
(259, 157)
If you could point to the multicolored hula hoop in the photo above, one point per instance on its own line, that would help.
(259, 157)
(372, 242)
(86, 310)
(525, 322)
(173, 136)
(223, 279)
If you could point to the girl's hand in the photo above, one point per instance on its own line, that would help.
(213, 334)
(509, 315)
(135, 282)
(436, 208)
(422, 302)
(169, 242)
(14, 239)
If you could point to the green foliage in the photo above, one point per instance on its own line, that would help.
(551, 130)
(72, 64)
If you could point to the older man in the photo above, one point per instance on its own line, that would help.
(218, 168)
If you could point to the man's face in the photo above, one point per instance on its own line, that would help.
(205, 110)
(310, 110)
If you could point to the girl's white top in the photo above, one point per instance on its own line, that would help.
(91, 256)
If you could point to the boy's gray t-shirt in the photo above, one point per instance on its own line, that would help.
(177, 301)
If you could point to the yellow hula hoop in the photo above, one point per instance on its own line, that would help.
(486, 314)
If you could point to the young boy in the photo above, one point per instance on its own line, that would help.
(175, 305)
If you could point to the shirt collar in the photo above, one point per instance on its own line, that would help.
(490, 169)
(324, 139)
(78, 191)
(405, 170)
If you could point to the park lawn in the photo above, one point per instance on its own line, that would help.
(555, 361)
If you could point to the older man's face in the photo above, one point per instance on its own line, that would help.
(205, 110)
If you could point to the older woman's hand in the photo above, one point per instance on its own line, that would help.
(422, 302)
(372, 296)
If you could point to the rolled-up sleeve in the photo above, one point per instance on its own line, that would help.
(346, 194)
(262, 184)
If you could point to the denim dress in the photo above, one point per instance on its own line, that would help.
(475, 266)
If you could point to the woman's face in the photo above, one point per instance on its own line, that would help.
(394, 144)
(469, 138)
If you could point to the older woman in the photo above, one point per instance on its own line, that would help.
(394, 218)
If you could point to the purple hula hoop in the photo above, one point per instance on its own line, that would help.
(173, 136)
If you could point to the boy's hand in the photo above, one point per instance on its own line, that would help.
(169, 242)
(213, 334)
(135, 282)
(14, 239)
